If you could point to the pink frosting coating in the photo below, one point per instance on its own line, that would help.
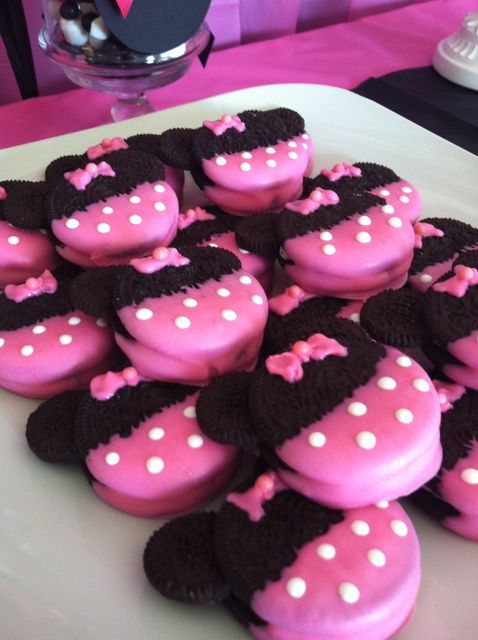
(104, 387)
(317, 198)
(464, 525)
(57, 354)
(363, 254)
(466, 349)
(218, 127)
(23, 254)
(381, 443)
(462, 374)
(166, 455)
(107, 145)
(459, 485)
(340, 170)
(32, 287)
(423, 280)
(366, 591)
(458, 284)
(3, 193)
(123, 227)
(198, 334)
(81, 178)
(403, 197)
(269, 177)
(351, 311)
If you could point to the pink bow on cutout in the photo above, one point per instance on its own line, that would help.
(458, 284)
(265, 488)
(32, 287)
(318, 197)
(425, 230)
(81, 178)
(288, 365)
(160, 258)
(340, 170)
(107, 145)
(193, 215)
(448, 393)
(285, 302)
(105, 386)
(226, 122)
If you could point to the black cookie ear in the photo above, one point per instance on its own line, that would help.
(180, 561)
(432, 505)
(58, 167)
(92, 291)
(257, 233)
(146, 142)
(24, 206)
(50, 428)
(395, 318)
(222, 409)
(175, 148)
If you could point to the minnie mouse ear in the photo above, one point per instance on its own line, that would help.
(222, 409)
(395, 318)
(92, 291)
(50, 428)
(58, 167)
(24, 205)
(179, 560)
(257, 234)
(175, 148)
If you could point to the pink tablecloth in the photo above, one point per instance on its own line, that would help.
(342, 55)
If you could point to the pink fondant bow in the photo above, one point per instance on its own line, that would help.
(288, 365)
(81, 178)
(105, 386)
(425, 230)
(265, 488)
(32, 287)
(458, 284)
(448, 393)
(160, 258)
(107, 145)
(285, 302)
(124, 7)
(340, 170)
(218, 127)
(193, 215)
(318, 197)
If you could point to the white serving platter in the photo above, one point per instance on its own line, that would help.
(70, 566)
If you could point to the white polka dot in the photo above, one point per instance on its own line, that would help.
(305, 146)
(325, 235)
(245, 166)
(159, 206)
(155, 464)
(135, 199)
(357, 409)
(366, 440)
(405, 416)
(292, 144)
(182, 322)
(143, 314)
(103, 227)
(384, 192)
(107, 210)
(27, 350)
(159, 188)
(395, 222)
(74, 320)
(387, 383)
(229, 314)
(316, 439)
(72, 223)
(399, 528)
(245, 280)
(360, 528)
(246, 155)
(244, 251)
(223, 292)
(101, 323)
(213, 244)
(406, 190)
(271, 163)
(257, 299)
(156, 433)
(2, 342)
(135, 219)
(296, 587)
(190, 302)
(39, 328)
(365, 221)
(469, 475)
(355, 317)
(383, 504)
(376, 557)
(426, 278)
(329, 249)
(195, 441)
(190, 412)
(112, 458)
(421, 384)
(283, 253)
(349, 592)
(404, 199)
(270, 150)
(65, 339)
(292, 155)
(387, 208)
(221, 161)
(305, 136)
(364, 237)
(404, 361)
(13, 240)
(326, 551)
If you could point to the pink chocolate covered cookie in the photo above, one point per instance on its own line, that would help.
(292, 569)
